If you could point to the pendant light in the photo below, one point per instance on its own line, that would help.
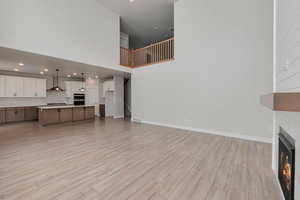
(82, 89)
(56, 86)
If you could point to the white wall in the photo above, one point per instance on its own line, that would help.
(223, 52)
(118, 98)
(288, 78)
(81, 31)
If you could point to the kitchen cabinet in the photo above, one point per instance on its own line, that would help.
(29, 85)
(66, 115)
(2, 116)
(73, 87)
(89, 113)
(30, 113)
(50, 116)
(54, 116)
(14, 86)
(14, 115)
(108, 85)
(2, 86)
(62, 114)
(78, 114)
(18, 114)
(40, 87)
(34, 87)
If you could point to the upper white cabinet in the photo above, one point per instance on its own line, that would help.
(73, 87)
(13, 86)
(29, 87)
(34, 87)
(40, 89)
(2, 86)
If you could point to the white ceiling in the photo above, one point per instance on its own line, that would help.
(34, 64)
(146, 21)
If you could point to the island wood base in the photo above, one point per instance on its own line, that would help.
(62, 115)
(18, 114)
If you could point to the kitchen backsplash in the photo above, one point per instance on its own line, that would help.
(52, 97)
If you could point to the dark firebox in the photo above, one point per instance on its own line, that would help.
(286, 164)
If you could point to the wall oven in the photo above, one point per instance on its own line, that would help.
(79, 99)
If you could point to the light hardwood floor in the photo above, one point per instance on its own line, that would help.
(118, 160)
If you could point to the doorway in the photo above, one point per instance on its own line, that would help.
(127, 98)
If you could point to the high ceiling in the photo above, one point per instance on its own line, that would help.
(146, 21)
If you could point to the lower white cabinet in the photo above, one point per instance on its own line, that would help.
(14, 86)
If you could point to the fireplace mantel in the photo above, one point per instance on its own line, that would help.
(289, 102)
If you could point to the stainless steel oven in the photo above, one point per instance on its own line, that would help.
(79, 99)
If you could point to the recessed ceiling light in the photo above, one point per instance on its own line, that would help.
(74, 74)
(16, 70)
(42, 73)
(46, 70)
(96, 76)
(69, 76)
(155, 28)
(131, 1)
(21, 64)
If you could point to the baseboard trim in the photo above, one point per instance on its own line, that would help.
(278, 184)
(226, 134)
(119, 117)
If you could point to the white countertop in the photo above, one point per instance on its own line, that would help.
(22, 106)
(65, 106)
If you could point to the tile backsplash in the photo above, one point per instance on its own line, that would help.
(52, 97)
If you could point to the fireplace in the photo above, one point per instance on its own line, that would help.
(286, 164)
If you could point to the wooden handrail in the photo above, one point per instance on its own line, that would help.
(155, 53)
(153, 44)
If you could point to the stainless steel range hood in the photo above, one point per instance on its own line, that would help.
(55, 87)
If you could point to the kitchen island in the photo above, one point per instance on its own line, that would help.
(67, 113)
(13, 114)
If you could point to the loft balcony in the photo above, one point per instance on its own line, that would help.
(149, 55)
